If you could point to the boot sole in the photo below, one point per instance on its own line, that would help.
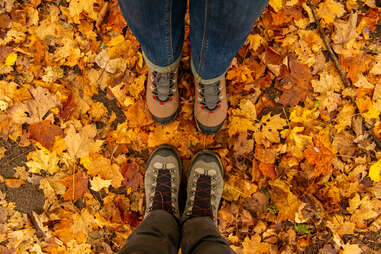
(165, 120)
(208, 130)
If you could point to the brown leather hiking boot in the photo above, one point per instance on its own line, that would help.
(162, 96)
(210, 107)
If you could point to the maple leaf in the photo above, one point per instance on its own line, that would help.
(115, 18)
(239, 125)
(254, 41)
(285, 199)
(96, 164)
(97, 183)
(42, 159)
(344, 117)
(133, 177)
(45, 133)
(320, 155)
(329, 10)
(267, 130)
(137, 86)
(76, 7)
(375, 171)
(293, 96)
(254, 245)
(76, 186)
(296, 142)
(242, 145)
(329, 101)
(34, 110)
(355, 65)
(246, 109)
(265, 155)
(346, 32)
(237, 187)
(267, 170)
(79, 144)
(327, 82)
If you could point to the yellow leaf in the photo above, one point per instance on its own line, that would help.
(97, 165)
(276, 4)
(344, 117)
(137, 86)
(240, 125)
(97, 183)
(140, 61)
(329, 10)
(42, 159)
(375, 170)
(11, 59)
(254, 41)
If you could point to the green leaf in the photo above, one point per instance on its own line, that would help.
(302, 228)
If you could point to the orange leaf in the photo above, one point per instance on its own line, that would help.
(44, 133)
(268, 170)
(76, 186)
(14, 183)
(319, 156)
(115, 18)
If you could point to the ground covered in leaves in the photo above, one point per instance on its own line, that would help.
(301, 148)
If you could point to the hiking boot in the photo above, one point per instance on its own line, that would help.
(162, 180)
(210, 107)
(205, 185)
(162, 96)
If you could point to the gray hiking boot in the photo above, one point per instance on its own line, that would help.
(205, 185)
(162, 180)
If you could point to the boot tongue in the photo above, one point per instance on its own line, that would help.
(210, 94)
(163, 86)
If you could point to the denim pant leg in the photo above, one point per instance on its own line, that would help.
(159, 27)
(200, 236)
(159, 232)
(218, 30)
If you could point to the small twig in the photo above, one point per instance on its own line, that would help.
(337, 65)
(326, 43)
(102, 15)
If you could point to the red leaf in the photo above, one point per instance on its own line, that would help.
(68, 107)
(132, 176)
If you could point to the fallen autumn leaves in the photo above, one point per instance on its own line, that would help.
(300, 148)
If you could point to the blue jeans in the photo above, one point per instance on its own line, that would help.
(217, 31)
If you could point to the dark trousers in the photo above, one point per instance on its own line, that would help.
(160, 233)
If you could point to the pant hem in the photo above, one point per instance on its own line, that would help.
(205, 81)
(169, 68)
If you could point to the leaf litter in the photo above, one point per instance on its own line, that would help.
(301, 147)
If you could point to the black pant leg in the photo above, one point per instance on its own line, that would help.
(200, 235)
(158, 233)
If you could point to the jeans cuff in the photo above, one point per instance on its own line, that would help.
(169, 68)
(205, 81)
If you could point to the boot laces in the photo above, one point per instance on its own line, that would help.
(202, 204)
(163, 85)
(162, 199)
(210, 95)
